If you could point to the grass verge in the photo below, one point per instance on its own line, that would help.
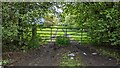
(67, 61)
(108, 52)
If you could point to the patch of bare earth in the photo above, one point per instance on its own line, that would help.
(50, 55)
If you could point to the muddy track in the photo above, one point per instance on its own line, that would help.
(50, 55)
(90, 59)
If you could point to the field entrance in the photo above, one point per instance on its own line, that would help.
(49, 34)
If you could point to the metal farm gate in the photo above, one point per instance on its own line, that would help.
(75, 34)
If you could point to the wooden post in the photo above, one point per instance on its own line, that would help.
(51, 34)
(19, 31)
(66, 32)
(81, 34)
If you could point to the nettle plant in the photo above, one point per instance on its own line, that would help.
(62, 41)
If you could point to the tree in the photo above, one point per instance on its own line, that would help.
(18, 19)
(101, 20)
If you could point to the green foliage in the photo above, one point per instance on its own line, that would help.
(108, 52)
(34, 43)
(9, 26)
(18, 20)
(62, 40)
(100, 19)
(4, 62)
(70, 21)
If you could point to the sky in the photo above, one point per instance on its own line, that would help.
(42, 20)
(59, 10)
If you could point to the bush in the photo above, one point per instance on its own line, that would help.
(34, 43)
(62, 40)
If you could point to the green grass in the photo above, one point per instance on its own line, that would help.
(69, 62)
(45, 33)
(66, 61)
(76, 35)
(60, 32)
(4, 62)
(108, 52)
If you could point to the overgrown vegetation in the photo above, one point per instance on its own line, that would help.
(4, 62)
(100, 19)
(21, 21)
(62, 41)
(18, 20)
(109, 52)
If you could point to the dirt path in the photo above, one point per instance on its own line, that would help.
(50, 55)
(90, 57)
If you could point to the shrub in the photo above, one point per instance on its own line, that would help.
(34, 43)
(62, 40)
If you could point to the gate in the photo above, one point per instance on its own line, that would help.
(49, 34)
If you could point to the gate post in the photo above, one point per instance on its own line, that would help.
(51, 34)
(66, 32)
(81, 34)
